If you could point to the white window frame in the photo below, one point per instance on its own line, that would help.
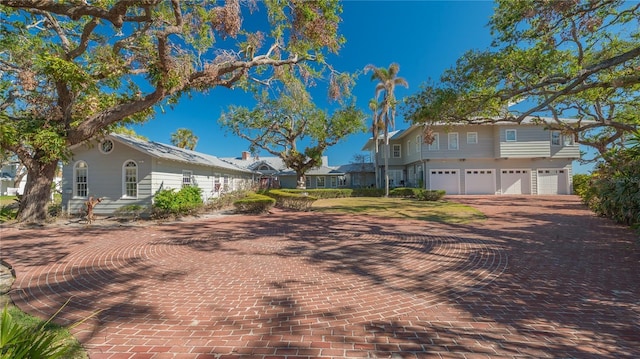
(556, 138)
(506, 135)
(435, 144)
(396, 150)
(418, 143)
(472, 138)
(321, 179)
(126, 179)
(342, 181)
(187, 178)
(76, 183)
(408, 147)
(102, 144)
(454, 141)
(333, 181)
(307, 181)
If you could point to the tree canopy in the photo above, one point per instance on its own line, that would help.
(549, 61)
(280, 124)
(74, 70)
(184, 138)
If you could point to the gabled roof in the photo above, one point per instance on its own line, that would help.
(357, 168)
(392, 136)
(253, 163)
(173, 153)
(318, 171)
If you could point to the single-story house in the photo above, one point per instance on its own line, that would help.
(125, 170)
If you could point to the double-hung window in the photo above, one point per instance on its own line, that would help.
(435, 142)
(397, 151)
(130, 175)
(187, 178)
(453, 141)
(556, 138)
(80, 179)
(472, 138)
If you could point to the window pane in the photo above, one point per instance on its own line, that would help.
(510, 135)
(81, 183)
(472, 137)
(435, 145)
(453, 141)
(131, 179)
(555, 138)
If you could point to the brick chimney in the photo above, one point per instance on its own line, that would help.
(246, 155)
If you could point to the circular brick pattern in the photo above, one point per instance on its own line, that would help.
(315, 285)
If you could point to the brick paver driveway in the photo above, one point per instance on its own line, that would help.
(542, 277)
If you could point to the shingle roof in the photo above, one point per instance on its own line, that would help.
(357, 168)
(318, 171)
(253, 163)
(173, 153)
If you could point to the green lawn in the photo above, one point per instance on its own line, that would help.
(5, 200)
(436, 211)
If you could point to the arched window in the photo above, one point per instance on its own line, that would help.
(130, 179)
(80, 179)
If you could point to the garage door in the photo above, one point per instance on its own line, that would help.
(479, 181)
(515, 181)
(448, 180)
(553, 181)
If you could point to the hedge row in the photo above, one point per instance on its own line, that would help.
(320, 193)
(418, 193)
(298, 201)
(254, 203)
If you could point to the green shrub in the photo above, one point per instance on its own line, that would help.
(430, 195)
(614, 187)
(19, 341)
(169, 202)
(254, 204)
(7, 213)
(298, 201)
(405, 192)
(368, 192)
(320, 192)
(582, 185)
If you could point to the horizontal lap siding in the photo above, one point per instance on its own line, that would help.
(105, 178)
(483, 149)
(530, 142)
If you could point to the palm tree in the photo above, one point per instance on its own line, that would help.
(386, 117)
(184, 138)
(375, 131)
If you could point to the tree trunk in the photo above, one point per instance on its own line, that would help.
(37, 192)
(302, 183)
(386, 172)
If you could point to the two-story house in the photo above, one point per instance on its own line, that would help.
(500, 158)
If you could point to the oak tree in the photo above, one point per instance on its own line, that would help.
(74, 70)
(285, 123)
(549, 61)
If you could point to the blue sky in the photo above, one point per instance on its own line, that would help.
(423, 37)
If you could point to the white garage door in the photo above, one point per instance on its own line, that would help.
(553, 181)
(480, 181)
(515, 181)
(448, 180)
